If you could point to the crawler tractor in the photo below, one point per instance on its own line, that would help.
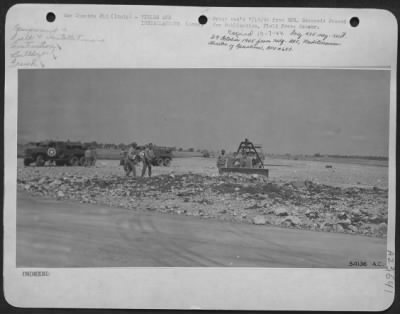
(247, 159)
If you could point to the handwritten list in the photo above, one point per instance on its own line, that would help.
(34, 47)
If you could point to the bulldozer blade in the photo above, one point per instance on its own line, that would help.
(260, 171)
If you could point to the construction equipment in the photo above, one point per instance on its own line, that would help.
(246, 160)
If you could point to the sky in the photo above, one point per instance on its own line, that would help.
(297, 111)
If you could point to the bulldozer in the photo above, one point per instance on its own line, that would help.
(246, 159)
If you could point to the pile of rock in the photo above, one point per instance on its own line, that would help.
(241, 198)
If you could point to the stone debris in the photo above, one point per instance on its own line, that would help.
(353, 228)
(292, 220)
(339, 228)
(232, 197)
(312, 214)
(259, 220)
(281, 211)
(382, 227)
(342, 215)
(345, 223)
(375, 219)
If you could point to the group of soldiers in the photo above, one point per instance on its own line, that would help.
(135, 156)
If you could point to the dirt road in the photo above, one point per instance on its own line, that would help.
(68, 234)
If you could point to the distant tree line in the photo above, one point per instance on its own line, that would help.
(319, 155)
(351, 156)
(359, 157)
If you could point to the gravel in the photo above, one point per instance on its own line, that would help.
(301, 204)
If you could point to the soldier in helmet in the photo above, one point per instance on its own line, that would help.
(93, 156)
(88, 156)
(221, 161)
(131, 160)
(148, 158)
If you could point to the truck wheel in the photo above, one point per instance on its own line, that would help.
(40, 161)
(160, 162)
(167, 162)
(82, 161)
(74, 161)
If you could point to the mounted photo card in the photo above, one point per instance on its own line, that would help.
(199, 157)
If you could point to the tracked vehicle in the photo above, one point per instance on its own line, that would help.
(247, 159)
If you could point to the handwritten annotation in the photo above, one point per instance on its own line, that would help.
(33, 47)
(274, 34)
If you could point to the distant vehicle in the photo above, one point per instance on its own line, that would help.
(163, 156)
(206, 154)
(58, 152)
(247, 159)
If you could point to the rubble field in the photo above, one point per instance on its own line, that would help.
(302, 204)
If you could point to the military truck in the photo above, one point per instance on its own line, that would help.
(163, 156)
(57, 152)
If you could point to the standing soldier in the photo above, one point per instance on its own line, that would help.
(88, 155)
(93, 156)
(221, 161)
(243, 158)
(236, 160)
(148, 157)
(131, 160)
(123, 156)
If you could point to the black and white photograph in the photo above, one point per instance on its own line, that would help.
(203, 167)
(199, 158)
